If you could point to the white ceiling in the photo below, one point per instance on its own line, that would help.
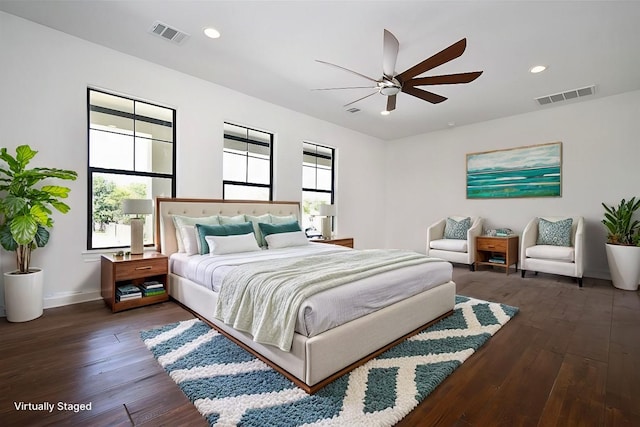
(268, 50)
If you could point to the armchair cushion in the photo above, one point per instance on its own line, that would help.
(454, 245)
(557, 233)
(551, 252)
(457, 229)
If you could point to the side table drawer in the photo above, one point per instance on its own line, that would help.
(498, 245)
(142, 268)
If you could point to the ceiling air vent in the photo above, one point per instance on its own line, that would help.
(353, 110)
(564, 96)
(168, 33)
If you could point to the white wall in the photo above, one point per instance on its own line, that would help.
(600, 150)
(43, 82)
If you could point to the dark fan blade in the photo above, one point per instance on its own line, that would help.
(445, 55)
(391, 102)
(448, 79)
(347, 70)
(351, 87)
(360, 99)
(389, 54)
(423, 94)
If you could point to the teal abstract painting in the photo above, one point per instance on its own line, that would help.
(532, 171)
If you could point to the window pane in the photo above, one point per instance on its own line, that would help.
(238, 147)
(234, 130)
(157, 122)
(258, 171)
(235, 167)
(324, 179)
(240, 192)
(110, 150)
(153, 156)
(110, 227)
(310, 202)
(308, 177)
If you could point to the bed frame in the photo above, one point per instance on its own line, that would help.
(312, 362)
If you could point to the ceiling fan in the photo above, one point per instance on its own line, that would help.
(390, 84)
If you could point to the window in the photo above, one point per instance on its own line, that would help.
(247, 168)
(317, 181)
(131, 155)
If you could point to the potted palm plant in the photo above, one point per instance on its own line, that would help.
(25, 217)
(623, 243)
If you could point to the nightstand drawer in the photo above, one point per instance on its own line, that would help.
(140, 268)
(498, 245)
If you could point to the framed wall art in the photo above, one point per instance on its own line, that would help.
(530, 171)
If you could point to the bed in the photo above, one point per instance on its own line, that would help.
(317, 353)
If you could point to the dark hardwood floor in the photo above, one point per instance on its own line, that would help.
(571, 357)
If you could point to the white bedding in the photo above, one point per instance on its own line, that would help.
(330, 308)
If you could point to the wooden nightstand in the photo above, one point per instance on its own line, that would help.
(497, 251)
(347, 241)
(133, 269)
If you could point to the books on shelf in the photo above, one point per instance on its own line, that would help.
(147, 289)
(128, 289)
(153, 292)
(152, 288)
(152, 284)
(128, 292)
(497, 260)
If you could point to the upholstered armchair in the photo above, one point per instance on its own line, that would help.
(551, 245)
(454, 239)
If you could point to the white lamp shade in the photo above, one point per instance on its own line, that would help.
(327, 210)
(137, 206)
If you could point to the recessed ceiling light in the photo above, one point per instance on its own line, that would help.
(537, 69)
(385, 112)
(211, 33)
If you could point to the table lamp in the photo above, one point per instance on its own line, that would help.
(137, 207)
(326, 211)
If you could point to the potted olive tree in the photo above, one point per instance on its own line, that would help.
(25, 217)
(623, 243)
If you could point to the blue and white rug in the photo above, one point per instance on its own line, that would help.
(230, 387)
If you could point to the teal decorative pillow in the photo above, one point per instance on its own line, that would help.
(220, 230)
(457, 229)
(556, 233)
(286, 227)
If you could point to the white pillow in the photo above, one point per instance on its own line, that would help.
(286, 240)
(190, 240)
(220, 245)
(181, 221)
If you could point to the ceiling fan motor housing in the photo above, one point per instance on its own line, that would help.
(389, 87)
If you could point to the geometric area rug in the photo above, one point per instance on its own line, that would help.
(230, 386)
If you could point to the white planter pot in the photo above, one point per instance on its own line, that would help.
(624, 265)
(23, 295)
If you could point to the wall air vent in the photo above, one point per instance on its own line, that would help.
(168, 33)
(353, 110)
(564, 96)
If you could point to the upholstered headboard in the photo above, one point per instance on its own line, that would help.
(165, 207)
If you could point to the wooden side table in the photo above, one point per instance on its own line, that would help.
(497, 251)
(135, 270)
(347, 241)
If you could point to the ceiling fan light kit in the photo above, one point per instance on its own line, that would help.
(392, 83)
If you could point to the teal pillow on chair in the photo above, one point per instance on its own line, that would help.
(556, 233)
(220, 230)
(457, 229)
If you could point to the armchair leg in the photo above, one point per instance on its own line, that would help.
(522, 273)
(579, 282)
(472, 267)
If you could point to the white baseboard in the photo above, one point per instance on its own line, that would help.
(62, 299)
